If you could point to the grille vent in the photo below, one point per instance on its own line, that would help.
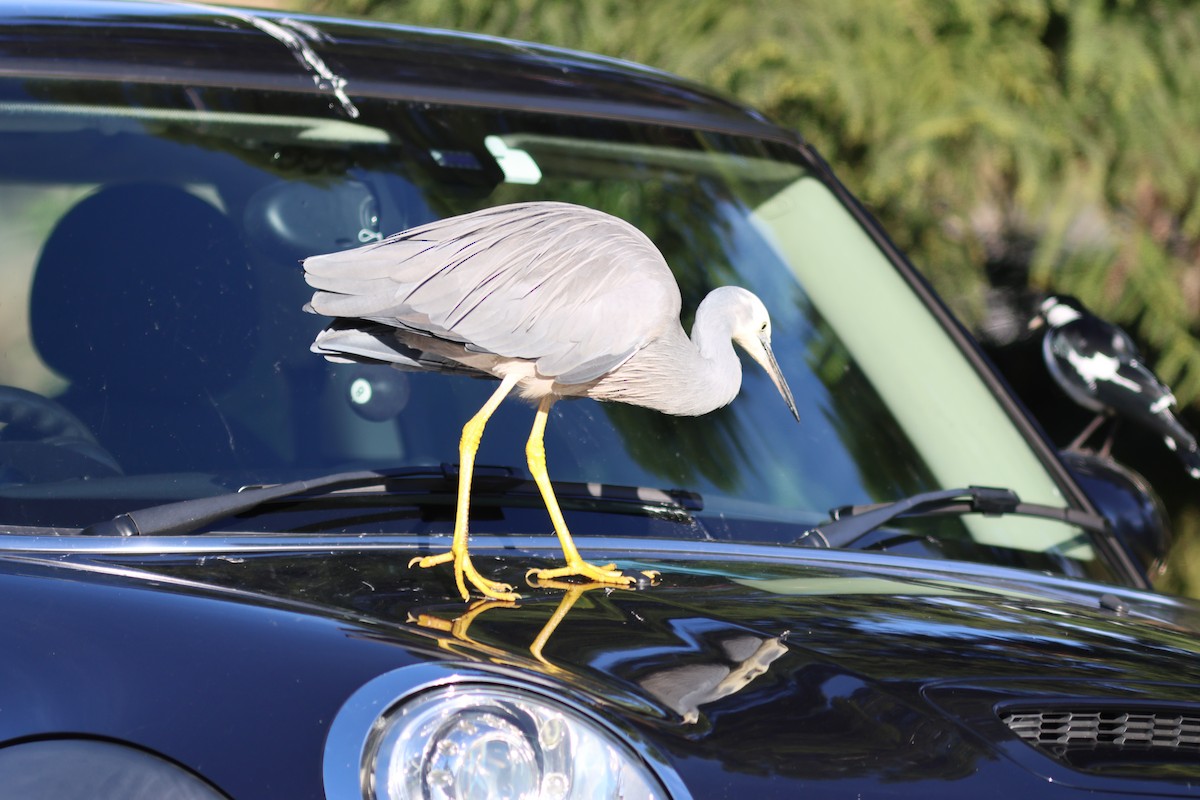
(1088, 735)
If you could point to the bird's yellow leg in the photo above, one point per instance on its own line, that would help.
(464, 570)
(535, 452)
(571, 594)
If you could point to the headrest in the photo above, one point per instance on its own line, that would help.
(145, 285)
(303, 219)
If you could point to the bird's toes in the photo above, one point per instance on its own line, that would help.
(424, 562)
(607, 574)
(584, 570)
(644, 577)
(465, 573)
(496, 590)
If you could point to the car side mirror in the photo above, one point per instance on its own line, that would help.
(1130, 505)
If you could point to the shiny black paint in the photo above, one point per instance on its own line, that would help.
(214, 686)
(93, 769)
(223, 47)
(870, 677)
(1129, 503)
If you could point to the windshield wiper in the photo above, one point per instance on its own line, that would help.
(849, 524)
(186, 516)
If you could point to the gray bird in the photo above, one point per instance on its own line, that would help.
(554, 299)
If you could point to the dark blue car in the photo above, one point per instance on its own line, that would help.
(206, 529)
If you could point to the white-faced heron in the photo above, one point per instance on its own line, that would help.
(554, 299)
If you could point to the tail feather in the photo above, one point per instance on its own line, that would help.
(1190, 456)
(1181, 441)
(348, 341)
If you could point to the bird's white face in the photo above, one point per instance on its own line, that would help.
(760, 324)
(752, 326)
(1057, 313)
(752, 332)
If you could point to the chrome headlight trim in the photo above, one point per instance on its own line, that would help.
(362, 721)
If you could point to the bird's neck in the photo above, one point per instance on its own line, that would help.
(679, 375)
(716, 371)
(712, 338)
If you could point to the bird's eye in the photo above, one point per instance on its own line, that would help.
(763, 329)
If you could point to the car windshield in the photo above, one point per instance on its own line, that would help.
(152, 289)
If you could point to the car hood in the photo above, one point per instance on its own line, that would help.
(820, 667)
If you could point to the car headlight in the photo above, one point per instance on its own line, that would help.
(422, 733)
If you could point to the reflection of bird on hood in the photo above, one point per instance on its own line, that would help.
(1099, 367)
(685, 688)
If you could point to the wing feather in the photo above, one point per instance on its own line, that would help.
(575, 290)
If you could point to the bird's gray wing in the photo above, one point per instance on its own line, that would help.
(574, 289)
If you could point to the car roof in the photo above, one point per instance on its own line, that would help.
(147, 41)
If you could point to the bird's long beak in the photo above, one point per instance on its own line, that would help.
(766, 359)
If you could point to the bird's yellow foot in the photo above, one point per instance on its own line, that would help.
(464, 573)
(608, 574)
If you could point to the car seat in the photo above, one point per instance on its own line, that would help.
(143, 299)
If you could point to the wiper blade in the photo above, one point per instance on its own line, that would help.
(186, 516)
(849, 524)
